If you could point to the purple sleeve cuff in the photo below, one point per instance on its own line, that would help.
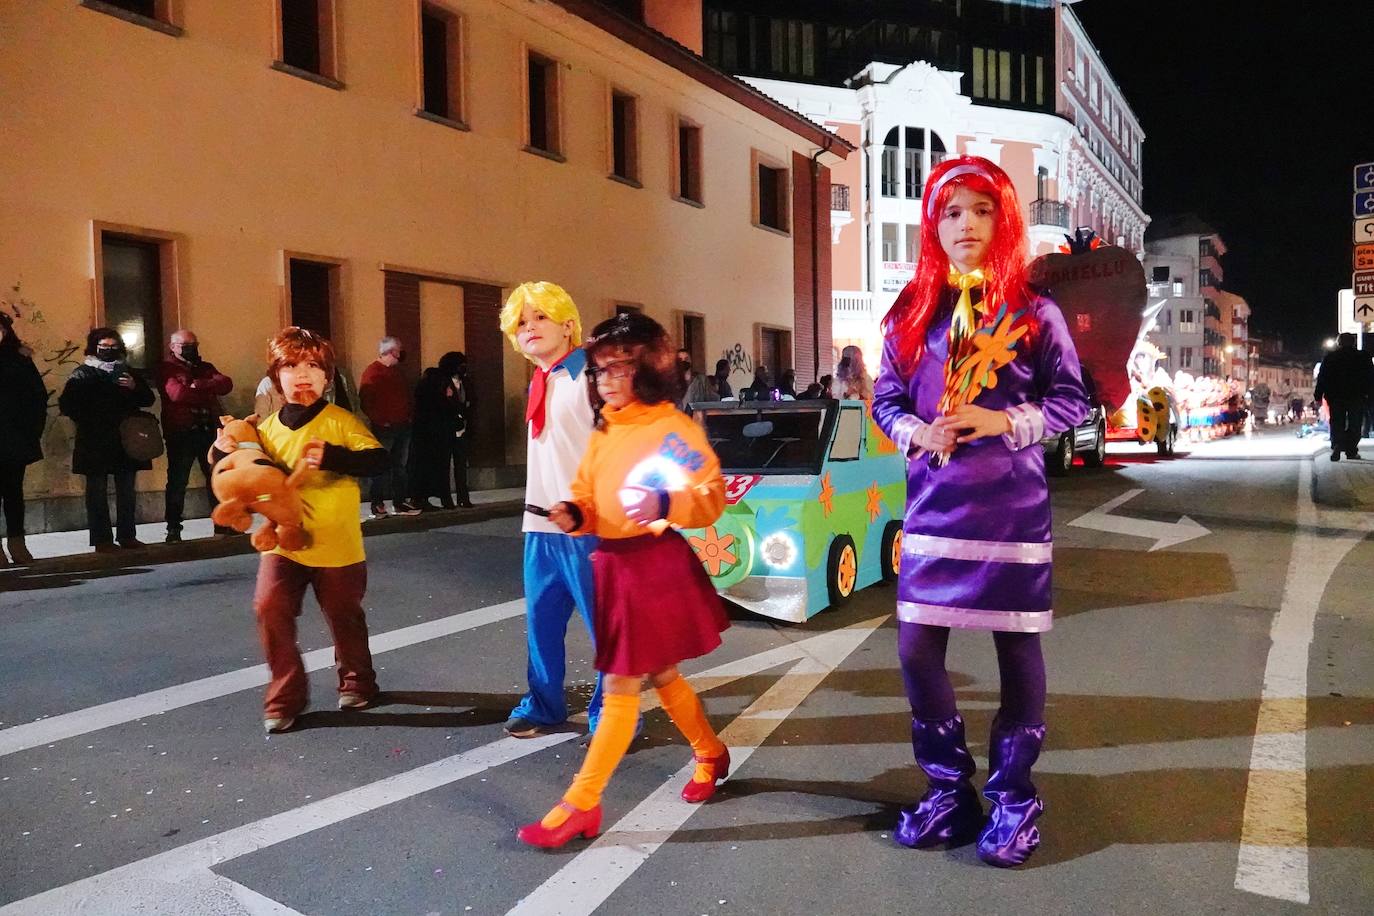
(1027, 426)
(903, 431)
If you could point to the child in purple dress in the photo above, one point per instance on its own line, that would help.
(976, 370)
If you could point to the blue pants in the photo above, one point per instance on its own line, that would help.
(558, 578)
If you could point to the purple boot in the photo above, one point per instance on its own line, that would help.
(1010, 835)
(949, 812)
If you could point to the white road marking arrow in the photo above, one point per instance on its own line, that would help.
(1164, 534)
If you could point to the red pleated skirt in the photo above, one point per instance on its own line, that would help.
(655, 605)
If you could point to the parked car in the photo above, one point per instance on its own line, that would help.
(814, 501)
(1088, 438)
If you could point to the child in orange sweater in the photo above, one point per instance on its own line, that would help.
(647, 469)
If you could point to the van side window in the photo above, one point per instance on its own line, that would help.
(848, 435)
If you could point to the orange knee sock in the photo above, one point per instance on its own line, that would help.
(683, 706)
(614, 732)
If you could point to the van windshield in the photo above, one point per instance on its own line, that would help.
(767, 440)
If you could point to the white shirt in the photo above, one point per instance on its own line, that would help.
(552, 459)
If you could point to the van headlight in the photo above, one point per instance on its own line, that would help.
(779, 550)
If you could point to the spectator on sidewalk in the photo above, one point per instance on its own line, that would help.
(100, 394)
(761, 390)
(787, 384)
(695, 386)
(191, 391)
(23, 414)
(438, 436)
(390, 409)
(852, 381)
(1345, 381)
(722, 380)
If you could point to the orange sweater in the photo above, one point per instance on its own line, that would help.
(648, 445)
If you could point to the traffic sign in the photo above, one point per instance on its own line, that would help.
(1364, 203)
(1364, 176)
(1364, 309)
(1364, 230)
(1364, 256)
(1362, 281)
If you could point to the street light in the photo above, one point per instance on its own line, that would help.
(1329, 343)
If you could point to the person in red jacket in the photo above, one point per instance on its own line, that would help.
(191, 389)
(390, 409)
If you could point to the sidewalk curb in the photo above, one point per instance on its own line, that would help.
(1344, 484)
(214, 548)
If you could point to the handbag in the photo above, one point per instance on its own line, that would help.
(140, 436)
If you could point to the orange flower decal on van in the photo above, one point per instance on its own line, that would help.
(714, 551)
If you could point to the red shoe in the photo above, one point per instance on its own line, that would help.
(698, 792)
(587, 823)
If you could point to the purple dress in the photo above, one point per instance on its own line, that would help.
(976, 544)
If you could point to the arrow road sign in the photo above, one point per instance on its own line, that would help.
(1364, 203)
(1364, 309)
(1364, 230)
(1364, 176)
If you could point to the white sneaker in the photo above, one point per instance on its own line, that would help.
(353, 701)
(278, 725)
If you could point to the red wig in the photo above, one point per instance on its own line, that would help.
(910, 316)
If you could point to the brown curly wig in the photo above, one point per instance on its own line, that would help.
(644, 340)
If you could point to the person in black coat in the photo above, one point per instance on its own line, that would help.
(99, 395)
(1345, 380)
(443, 405)
(23, 414)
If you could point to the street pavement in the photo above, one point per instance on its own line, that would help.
(1210, 721)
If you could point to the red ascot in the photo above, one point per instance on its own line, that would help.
(539, 386)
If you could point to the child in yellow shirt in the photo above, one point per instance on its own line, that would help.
(648, 468)
(338, 448)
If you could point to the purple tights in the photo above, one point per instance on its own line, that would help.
(921, 648)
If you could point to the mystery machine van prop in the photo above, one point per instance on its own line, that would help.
(814, 499)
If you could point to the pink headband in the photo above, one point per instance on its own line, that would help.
(933, 192)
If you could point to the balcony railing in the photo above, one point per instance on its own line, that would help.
(852, 304)
(1049, 213)
(839, 197)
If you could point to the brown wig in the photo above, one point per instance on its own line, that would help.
(657, 377)
(295, 345)
(96, 335)
(11, 340)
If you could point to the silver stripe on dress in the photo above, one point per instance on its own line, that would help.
(1027, 426)
(939, 615)
(903, 431)
(929, 545)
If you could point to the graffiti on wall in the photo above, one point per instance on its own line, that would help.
(741, 366)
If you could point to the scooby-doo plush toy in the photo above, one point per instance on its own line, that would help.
(247, 481)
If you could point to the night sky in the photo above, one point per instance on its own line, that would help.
(1255, 114)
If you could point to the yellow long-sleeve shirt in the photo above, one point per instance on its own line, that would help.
(331, 500)
(648, 445)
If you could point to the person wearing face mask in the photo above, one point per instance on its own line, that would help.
(390, 409)
(23, 414)
(191, 388)
(441, 410)
(98, 396)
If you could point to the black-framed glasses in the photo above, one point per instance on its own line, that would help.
(619, 369)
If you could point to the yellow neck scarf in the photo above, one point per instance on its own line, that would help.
(964, 322)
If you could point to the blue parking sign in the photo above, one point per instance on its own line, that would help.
(1364, 204)
(1364, 177)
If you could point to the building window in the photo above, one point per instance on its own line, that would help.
(152, 14)
(889, 164)
(306, 37)
(889, 242)
(542, 105)
(913, 243)
(442, 64)
(1039, 80)
(1185, 357)
(1160, 274)
(1093, 96)
(687, 163)
(792, 48)
(313, 288)
(628, 308)
(722, 39)
(770, 192)
(1205, 278)
(624, 137)
(133, 278)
